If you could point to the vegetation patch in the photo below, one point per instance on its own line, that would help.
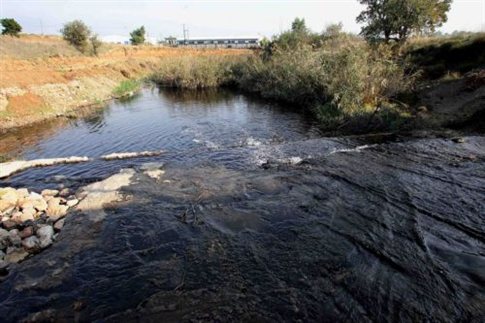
(127, 88)
(440, 56)
(196, 72)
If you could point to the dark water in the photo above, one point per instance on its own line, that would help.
(379, 232)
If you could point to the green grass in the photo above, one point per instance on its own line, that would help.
(126, 88)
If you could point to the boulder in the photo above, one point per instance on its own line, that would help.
(45, 234)
(2, 255)
(31, 243)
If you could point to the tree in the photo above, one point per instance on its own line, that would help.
(298, 26)
(77, 34)
(10, 27)
(398, 19)
(138, 36)
(95, 43)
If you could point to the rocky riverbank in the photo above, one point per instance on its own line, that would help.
(30, 222)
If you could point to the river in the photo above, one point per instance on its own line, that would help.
(257, 218)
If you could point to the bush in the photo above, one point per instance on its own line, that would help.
(138, 36)
(343, 78)
(77, 34)
(10, 27)
(95, 44)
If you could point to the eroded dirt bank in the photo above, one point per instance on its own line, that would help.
(393, 232)
(37, 89)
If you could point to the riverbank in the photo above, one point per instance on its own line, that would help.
(46, 85)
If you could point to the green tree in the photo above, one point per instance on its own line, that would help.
(398, 19)
(10, 27)
(95, 43)
(138, 36)
(77, 34)
(299, 26)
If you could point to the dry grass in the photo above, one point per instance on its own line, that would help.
(446, 56)
(195, 72)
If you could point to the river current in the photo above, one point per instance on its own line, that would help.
(257, 218)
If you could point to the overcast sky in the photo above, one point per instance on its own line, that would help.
(208, 18)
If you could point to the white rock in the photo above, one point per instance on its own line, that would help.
(71, 203)
(55, 210)
(45, 234)
(40, 205)
(8, 168)
(35, 196)
(28, 214)
(22, 192)
(48, 192)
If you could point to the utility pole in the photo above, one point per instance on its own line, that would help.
(186, 34)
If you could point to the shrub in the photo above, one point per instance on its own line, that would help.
(95, 44)
(77, 34)
(137, 36)
(10, 27)
(343, 78)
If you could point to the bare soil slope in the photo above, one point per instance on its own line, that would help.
(42, 77)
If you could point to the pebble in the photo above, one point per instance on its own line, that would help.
(30, 221)
(26, 232)
(59, 224)
(31, 243)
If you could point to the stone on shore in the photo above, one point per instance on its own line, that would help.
(45, 235)
(48, 192)
(26, 232)
(15, 255)
(59, 224)
(31, 243)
